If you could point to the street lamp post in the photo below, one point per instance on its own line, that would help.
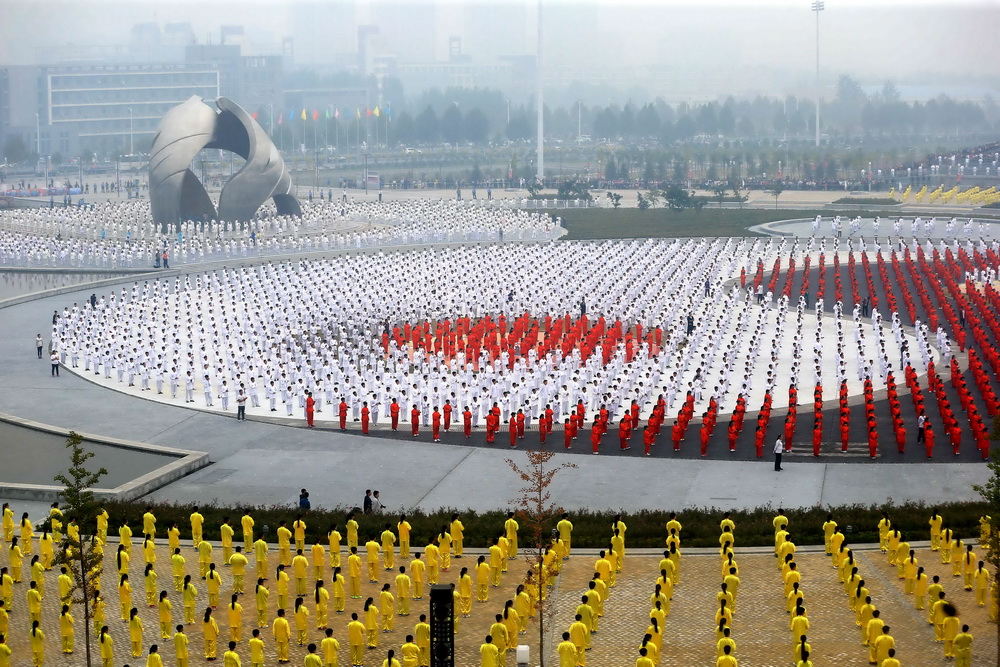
(817, 6)
(579, 120)
(366, 173)
(131, 143)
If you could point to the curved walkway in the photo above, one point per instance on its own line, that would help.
(263, 463)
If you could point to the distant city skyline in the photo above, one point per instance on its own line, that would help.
(667, 48)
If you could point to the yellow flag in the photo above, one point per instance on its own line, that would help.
(376, 112)
(303, 115)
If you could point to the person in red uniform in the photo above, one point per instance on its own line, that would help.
(491, 426)
(624, 432)
(817, 433)
(676, 433)
(872, 442)
(845, 428)
(520, 423)
(703, 434)
(603, 413)
(595, 436)
(647, 438)
(310, 408)
(467, 422)
(342, 413)
(548, 418)
(634, 413)
(394, 414)
(542, 431)
(447, 414)
(929, 440)
(436, 425)
(415, 420)
(733, 433)
(567, 432)
(901, 438)
(512, 427)
(365, 418)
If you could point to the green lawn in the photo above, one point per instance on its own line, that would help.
(603, 223)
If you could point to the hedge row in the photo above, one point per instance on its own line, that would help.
(646, 528)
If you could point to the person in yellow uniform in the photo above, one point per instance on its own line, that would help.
(66, 631)
(387, 605)
(884, 527)
(149, 522)
(321, 597)
(371, 622)
(354, 573)
(457, 531)
(256, 649)
(352, 531)
(444, 545)
(238, 562)
(356, 640)
(329, 648)
(727, 659)
(47, 551)
(154, 659)
(301, 614)
(27, 534)
(339, 596)
(404, 591)
(247, 522)
(566, 651)
(173, 537)
(935, 528)
(234, 613)
(299, 533)
(260, 557)
(34, 599)
(883, 644)
(312, 659)
(318, 560)
(181, 651)
(388, 540)
(580, 636)
(38, 574)
(432, 554)
(418, 570)
(300, 571)
(334, 537)
(125, 536)
(482, 580)
(372, 549)
(213, 584)
(969, 561)
(423, 633)
(189, 595)
(16, 557)
(644, 660)
(150, 577)
(8, 522)
(164, 610)
(496, 561)
(204, 557)
(511, 527)
(950, 629)
(489, 654)
(891, 660)
(465, 592)
(982, 583)
(210, 633)
(37, 639)
(282, 632)
(177, 563)
(231, 658)
(124, 596)
(107, 646)
(829, 529)
(565, 528)
(410, 652)
(261, 595)
(135, 632)
(947, 537)
(226, 533)
(962, 644)
(284, 544)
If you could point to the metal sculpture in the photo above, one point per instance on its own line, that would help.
(176, 194)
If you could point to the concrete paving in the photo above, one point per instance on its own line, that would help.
(269, 463)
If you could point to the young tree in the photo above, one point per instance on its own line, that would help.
(537, 514)
(79, 555)
(775, 192)
(720, 194)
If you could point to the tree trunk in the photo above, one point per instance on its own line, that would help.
(86, 602)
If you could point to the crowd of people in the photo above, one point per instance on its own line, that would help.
(123, 235)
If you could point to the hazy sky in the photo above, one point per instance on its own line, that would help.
(757, 46)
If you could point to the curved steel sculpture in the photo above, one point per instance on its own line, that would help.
(176, 194)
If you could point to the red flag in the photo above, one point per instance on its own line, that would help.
(368, 112)
(254, 114)
(315, 114)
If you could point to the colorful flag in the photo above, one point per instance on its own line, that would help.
(303, 114)
(315, 115)
(376, 112)
(368, 112)
(254, 115)
(328, 113)
(291, 115)
(336, 112)
(388, 111)
(280, 116)
(359, 111)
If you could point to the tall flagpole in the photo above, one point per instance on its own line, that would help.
(540, 172)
